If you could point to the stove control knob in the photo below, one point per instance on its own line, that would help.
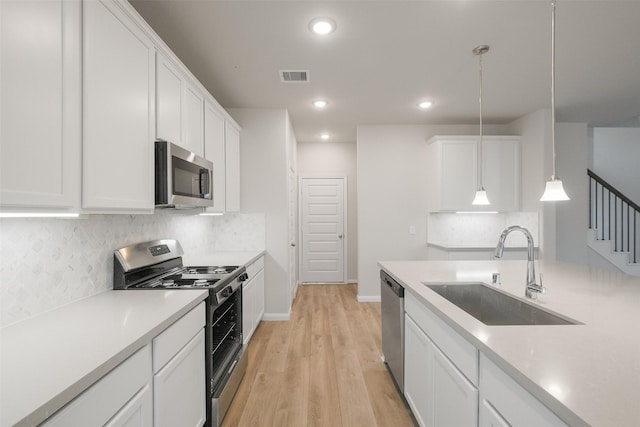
(243, 277)
(226, 292)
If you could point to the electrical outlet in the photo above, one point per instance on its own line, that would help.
(412, 229)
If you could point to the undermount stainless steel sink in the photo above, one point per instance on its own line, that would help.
(493, 307)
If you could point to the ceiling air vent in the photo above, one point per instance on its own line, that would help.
(294, 76)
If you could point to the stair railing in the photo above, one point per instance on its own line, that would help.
(614, 216)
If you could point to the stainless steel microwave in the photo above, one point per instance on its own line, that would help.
(182, 178)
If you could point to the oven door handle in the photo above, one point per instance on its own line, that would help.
(233, 365)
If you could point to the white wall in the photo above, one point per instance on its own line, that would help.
(572, 217)
(47, 263)
(264, 189)
(334, 159)
(393, 194)
(616, 152)
(535, 131)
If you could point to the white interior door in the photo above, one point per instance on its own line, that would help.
(323, 230)
(293, 222)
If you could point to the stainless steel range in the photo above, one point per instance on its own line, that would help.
(157, 264)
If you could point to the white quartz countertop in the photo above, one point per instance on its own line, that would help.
(587, 374)
(51, 358)
(220, 258)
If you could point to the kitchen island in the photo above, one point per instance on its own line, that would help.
(586, 374)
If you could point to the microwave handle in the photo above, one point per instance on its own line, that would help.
(204, 181)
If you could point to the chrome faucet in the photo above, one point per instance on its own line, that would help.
(532, 289)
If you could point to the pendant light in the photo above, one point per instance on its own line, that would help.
(553, 191)
(481, 194)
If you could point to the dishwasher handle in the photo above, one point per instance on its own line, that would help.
(392, 284)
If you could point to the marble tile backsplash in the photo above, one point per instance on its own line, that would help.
(46, 263)
(479, 230)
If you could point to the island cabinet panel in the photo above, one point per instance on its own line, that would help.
(40, 119)
(509, 401)
(441, 370)
(119, 113)
(122, 396)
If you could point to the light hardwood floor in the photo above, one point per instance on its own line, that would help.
(321, 368)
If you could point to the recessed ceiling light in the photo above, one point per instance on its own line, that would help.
(325, 136)
(322, 26)
(320, 103)
(425, 105)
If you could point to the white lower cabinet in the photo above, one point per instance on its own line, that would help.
(179, 387)
(136, 413)
(437, 392)
(510, 402)
(252, 299)
(120, 398)
(162, 384)
(448, 382)
(179, 382)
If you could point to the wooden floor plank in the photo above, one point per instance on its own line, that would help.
(322, 368)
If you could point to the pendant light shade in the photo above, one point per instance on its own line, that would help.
(481, 197)
(481, 194)
(554, 190)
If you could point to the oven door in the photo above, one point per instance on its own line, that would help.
(227, 359)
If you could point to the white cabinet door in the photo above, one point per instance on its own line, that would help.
(458, 176)
(513, 403)
(137, 413)
(40, 116)
(232, 147)
(248, 309)
(214, 150)
(489, 417)
(417, 370)
(119, 95)
(456, 172)
(193, 120)
(169, 88)
(453, 399)
(110, 396)
(179, 388)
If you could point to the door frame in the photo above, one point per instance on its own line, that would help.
(345, 232)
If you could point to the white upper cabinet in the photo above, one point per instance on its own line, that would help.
(193, 120)
(454, 172)
(119, 113)
(232, 156)
(214, 150)
(40, 117)
(169, 88)
(180, 107)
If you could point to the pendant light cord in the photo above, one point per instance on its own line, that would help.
(553, 86)
(480, 177)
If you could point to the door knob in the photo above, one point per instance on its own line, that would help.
(339, 236)
(293, 244)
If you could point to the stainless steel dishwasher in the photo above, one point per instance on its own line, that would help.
(392, 302)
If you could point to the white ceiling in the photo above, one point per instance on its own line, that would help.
(385, 56)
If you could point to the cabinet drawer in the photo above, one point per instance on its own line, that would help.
(105, 398)
(463, 355)
(168, 343)
(511, 401)
(254, 267)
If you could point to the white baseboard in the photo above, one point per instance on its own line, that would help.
(274, 317)
(368, 298)
(352, 281)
